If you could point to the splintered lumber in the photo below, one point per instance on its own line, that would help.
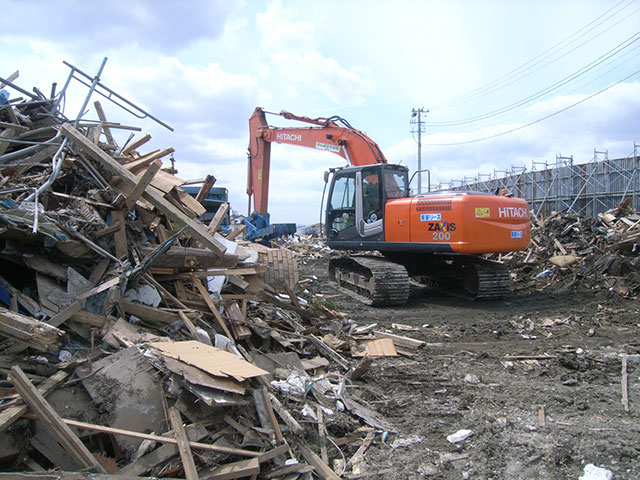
(142, 184)
(103, 119)
(206, 187)
(286, 417)
(400, 341)
(30, 331)
(194, 227)
(159, 438)
(65, 314)
(241, 469)
(163, 453)
(204, 293)
(148, 313)
(218, 217)
(359, 455)
(183, 444)
(11, 414)
(135, 144)
(624, 383)
(67, 439)
(321, 468)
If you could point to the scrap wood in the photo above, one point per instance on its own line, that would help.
(624, 383)
(240, 469)
(378, 347)
(210, 359)
(204, 293)
(359, 455)
(36, 334)
(398, 340)
(284, 414)
(155, 438)
(165, 207)
(11, 414)
(321, 468)
(183, 444)
(63, 434)
(195, 433)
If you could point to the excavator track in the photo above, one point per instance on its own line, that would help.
(473, 279)
(487, 280)
(371, 280)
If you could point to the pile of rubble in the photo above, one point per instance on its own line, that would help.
(580, 252)
(136, 340)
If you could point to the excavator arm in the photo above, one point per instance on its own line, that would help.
(332, 134)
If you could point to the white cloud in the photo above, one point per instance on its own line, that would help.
(293, 48)
(165, 25)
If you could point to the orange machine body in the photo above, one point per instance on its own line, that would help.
(464, 222)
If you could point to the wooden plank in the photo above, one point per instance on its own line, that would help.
(271, 415)
(378, 347)
(401, 341)
(195, 333)
(237, 319)
(194, 227)
(216, 221)
(148, 313)
(241, 469)
(236, 231)
(65, 314)
(135, 144)
(120, 235)
(162, 454)
(284, 414)
(322, 469)
(6, 134)
(11, 414)
(183, 444)
(148, 159)
(206, 187)
(189, 202)
(88, 318)
(36, 334)
(204, 293)
(142, 184)
(52, 421)
(158, 438)
(103, 119)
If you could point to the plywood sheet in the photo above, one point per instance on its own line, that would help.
(212, 360)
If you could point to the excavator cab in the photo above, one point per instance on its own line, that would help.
(357, 199)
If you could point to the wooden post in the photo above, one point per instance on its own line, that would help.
(183, 444)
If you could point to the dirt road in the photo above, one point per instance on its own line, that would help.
(546, 413)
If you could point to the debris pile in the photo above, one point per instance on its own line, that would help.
(573, 251)
(136, 340)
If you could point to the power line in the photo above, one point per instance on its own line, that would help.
(507, 79)
(535, 121)
(560, 83)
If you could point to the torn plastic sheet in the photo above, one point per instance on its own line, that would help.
(215, 284)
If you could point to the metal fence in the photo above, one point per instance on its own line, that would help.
(585, 189)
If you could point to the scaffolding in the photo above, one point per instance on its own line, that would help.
(585, 189)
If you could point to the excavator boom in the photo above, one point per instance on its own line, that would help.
(327, 135)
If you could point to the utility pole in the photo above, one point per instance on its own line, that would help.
(417, 125)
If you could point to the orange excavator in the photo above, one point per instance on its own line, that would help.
(436, 239)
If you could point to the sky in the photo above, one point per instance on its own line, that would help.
(503, 84)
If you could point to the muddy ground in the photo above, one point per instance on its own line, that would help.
(539, 418)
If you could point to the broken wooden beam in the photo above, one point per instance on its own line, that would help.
(32, 332)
